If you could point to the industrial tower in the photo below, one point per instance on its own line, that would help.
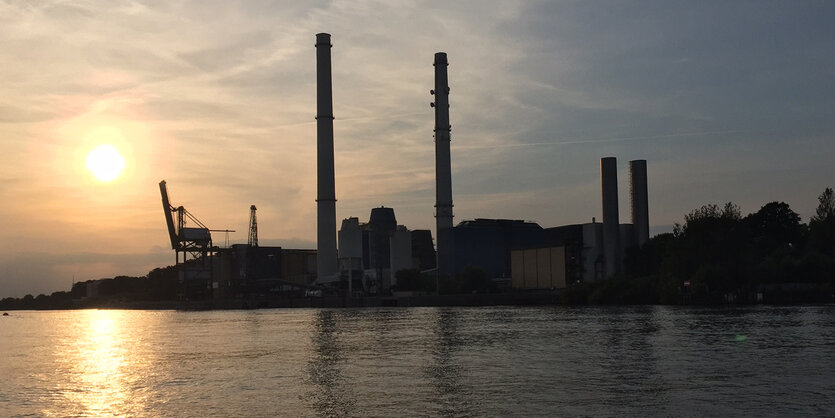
(611, 221)
(192, 247)
(326, 256)
(253, 228)
(640, 200)
(443, 170)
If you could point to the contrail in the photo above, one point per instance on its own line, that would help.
(597, 140)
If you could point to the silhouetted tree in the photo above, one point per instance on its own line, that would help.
(647, 259)
(826, 206)
(719, 252)
(163, 283)
(822, 224)
(79, 289)
(713, 240)
(10, 303)
(41, 301)
(774, 226)
(709, 216)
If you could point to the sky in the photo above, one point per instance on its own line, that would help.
(727, 101)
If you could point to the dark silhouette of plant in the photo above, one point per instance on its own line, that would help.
(822, 224)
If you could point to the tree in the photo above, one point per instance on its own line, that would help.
(711, 235)
(826, 206)
(709, 216)
(163, 283)
(822, 224)
(777, 223)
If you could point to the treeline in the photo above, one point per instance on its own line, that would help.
(160, 284)
(719, 256)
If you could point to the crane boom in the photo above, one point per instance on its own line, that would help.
(169, 219)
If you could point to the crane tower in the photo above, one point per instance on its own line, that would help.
(253, 227)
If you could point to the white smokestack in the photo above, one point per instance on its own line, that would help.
(443, 170)
(611, 223)
(640, 200)
(326, 261)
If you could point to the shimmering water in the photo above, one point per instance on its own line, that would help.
(493, 361)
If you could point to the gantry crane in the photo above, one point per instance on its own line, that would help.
(192, 246)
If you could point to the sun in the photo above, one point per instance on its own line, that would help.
(105, 162)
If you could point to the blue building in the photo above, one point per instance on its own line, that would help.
(487, 243)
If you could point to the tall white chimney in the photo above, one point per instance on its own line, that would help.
(611, 223)
(443, 170)
(326, 257)
(640, 200)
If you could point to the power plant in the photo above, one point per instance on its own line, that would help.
(513, 254)
(207, 271)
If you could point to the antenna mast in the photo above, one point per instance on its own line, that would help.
(253, 227)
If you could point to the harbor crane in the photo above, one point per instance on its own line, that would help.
(192, 245)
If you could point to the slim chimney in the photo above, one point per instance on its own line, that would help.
(326, 261)
(640, 200)
(611, 223)
(443, 171)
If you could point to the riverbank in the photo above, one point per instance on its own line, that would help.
(540, 298)
(472, 299)
(489, 299)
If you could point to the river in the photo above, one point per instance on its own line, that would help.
(490, 361)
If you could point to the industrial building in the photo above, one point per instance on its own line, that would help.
(595, 251)
(371, 253)
(521, 254)
(487, 243)
(244, 270)
(207, 271)
(539, 268)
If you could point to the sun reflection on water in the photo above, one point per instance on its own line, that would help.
(98, 360)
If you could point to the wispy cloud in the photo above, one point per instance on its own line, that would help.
(598, 140)
(726, 101)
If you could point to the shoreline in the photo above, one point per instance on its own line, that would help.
(549, 298)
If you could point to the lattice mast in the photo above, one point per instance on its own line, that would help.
(253, 227)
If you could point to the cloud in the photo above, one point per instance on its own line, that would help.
(726, 101)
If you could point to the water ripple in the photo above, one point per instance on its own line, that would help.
(494, 361)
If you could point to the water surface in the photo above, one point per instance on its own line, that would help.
(491, 361)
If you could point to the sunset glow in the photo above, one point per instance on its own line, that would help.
(726, 102)
(105, 162)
